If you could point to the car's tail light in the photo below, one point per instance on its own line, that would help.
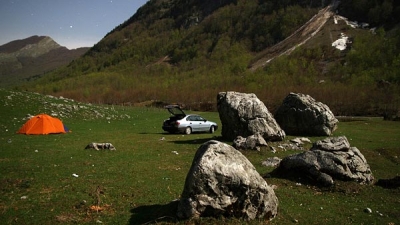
(177, 123)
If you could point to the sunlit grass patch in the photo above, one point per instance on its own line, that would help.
(52, 179)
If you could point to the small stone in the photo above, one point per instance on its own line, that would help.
(271, 162)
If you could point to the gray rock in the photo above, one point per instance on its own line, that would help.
(332, 144)
(271, 162)
(239, 143)
(290, 146)
(222, 182)
(253, 142)
(368, 210)
(327, 160)
(300, 114)
(244, 115)
(300, 141)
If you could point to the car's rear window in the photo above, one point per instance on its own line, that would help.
(176, 111)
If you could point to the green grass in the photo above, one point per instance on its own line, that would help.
(137, 183)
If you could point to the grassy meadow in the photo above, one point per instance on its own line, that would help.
(52, 179)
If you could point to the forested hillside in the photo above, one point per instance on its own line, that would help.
(186, 51)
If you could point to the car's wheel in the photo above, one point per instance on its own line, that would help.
(212, 129)
(188, 130)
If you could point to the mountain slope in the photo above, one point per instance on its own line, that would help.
(30, 58)
(297, 39)
(187, 51)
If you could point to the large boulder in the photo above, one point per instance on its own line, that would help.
(222, 182)
(328, 159)
(244, 115)
(300, 114)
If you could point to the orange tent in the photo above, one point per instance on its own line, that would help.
(42, 124)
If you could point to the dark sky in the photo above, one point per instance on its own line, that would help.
(71, 23)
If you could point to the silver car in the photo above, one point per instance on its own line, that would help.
(180, 122)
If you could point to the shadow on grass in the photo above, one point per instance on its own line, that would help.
(173, 134)
(197, 141)
(153, 214)
(302, 179)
